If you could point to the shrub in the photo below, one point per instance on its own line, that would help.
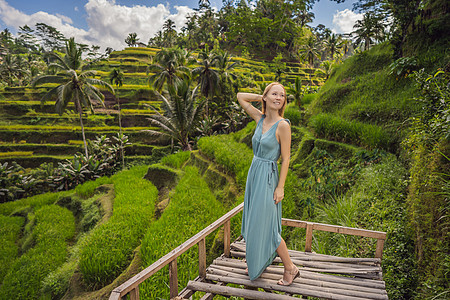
(109, 248)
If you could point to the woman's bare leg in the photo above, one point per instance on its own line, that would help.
(289, 267)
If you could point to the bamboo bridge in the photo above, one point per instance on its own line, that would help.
(321, 276)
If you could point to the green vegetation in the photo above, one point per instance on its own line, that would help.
(111, 245)
(233, 156)
(10, 229)
(192, 207)
(53, 227)
(370, 147)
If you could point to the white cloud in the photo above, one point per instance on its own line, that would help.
(344, 20)
(109, 24)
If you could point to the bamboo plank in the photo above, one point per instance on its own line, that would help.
(271, 285)
(304, 273)
(309, 230)
(350, 272)
(186, 293)
(302, 284)
(379, 250)
(226, 238)
(240, 246)
(236, 292)
(173, 278)
(210, 296)
(335, 228)
(134, 294)
(202, 258)
(215, 269)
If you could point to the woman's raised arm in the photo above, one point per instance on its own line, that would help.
(245, 99)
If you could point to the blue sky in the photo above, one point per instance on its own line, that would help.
(108, 22)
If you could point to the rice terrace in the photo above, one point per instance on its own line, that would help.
(124, 166)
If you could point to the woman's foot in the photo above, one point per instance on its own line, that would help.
(289, 276)
(246, 271)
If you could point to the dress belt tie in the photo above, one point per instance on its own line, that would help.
(273, 164)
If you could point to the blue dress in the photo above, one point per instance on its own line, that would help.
(261, 219)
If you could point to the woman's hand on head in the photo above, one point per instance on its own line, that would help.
(278, 195)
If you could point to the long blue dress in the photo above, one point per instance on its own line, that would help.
(261, 219)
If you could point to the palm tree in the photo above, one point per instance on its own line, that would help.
(169, 32)
(309, 51)
(169, 68)
(333, 44)
(208, 78)
(327, 68)
(181, 114)
(296, 90)
(74, 85)
(368, 30)
(132, 39)
(11, 69)
(116, 77)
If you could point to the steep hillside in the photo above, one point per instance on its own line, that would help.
(32, 133)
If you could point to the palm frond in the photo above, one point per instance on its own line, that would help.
(48, 79)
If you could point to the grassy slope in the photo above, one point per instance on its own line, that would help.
(374, 197)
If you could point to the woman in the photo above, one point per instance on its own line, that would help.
(261, 220)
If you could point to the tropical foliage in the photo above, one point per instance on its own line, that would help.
(182, 113)
(73, 86)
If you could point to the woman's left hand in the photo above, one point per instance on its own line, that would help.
(278, 195)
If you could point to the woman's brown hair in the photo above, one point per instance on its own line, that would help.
(266, 91)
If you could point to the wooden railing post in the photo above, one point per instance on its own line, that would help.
(226, 238)
(309, 230)
(202, 258)
(173, 278)
(379, 250)
(134, 294)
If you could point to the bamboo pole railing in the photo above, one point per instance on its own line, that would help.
(131, 286)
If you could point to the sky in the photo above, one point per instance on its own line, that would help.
(108, 22)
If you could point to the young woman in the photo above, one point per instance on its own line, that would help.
(261, 219)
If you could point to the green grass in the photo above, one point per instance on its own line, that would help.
(192, 207)
(109, 248)
(361, 90)
(54, 226)
(34, 203)
(234, 156)
(353, 132)
(176, 160)
(10, 230)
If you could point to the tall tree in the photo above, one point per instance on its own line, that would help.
(12, 68)
(132, 39)
(208, 77)
(169, 67)
(169, 33)
(73, 85)
(295, 89)
(50, 37)
(368, 30)
(182, 114)
(116, 78)
(310, 51)
(333, 45)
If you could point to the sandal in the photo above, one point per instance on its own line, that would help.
(294, 275)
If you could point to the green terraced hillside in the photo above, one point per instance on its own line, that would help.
(32, 132)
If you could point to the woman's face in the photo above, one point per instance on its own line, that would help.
(275, 98)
